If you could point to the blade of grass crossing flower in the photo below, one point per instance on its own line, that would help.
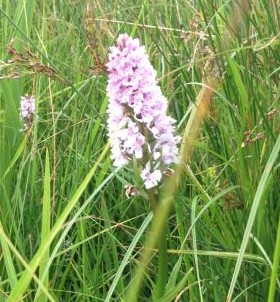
(257, 199)
(21, 286)
(46, 224)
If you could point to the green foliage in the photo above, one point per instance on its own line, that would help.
(67, 230)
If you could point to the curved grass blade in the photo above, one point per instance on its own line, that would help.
(27, 267)
(275, 267)
(26, 277)
(9, 265)
(252, 216)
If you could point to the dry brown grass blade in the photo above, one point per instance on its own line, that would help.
(199, 113)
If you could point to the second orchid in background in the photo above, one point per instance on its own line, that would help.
(27, 111)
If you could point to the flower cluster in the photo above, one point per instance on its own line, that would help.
(138, 125)
(27, 110)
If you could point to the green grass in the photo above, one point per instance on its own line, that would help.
(67, 230)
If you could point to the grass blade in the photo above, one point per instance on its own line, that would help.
(22, 284)
(46, 224)
(8, 261)
(251, 219)
(275, 267)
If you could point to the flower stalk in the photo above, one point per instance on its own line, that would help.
(139, 129)
(162, 264)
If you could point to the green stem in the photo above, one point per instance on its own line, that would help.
(162, 264)
(276, 260)
(162, 247)
(153, 200)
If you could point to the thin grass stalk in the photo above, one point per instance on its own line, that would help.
(46, 225)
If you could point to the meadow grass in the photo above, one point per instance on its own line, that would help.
(67, 230)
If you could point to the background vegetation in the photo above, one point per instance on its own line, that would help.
(67, 230)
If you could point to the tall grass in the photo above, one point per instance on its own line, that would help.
(67, 230)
